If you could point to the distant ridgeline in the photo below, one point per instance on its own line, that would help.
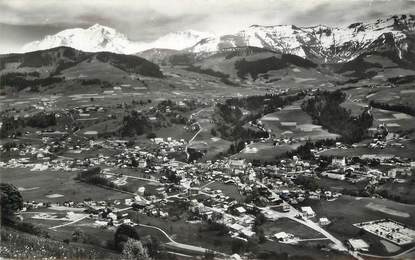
(42, 68)
(325, 110)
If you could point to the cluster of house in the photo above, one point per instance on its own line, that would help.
(169, 145)
(392, 167)
(382, 137)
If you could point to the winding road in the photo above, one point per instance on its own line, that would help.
(178, 245)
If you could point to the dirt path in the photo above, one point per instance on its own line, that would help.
(69, 223)
(197, 133)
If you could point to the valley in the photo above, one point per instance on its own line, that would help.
(203, 153)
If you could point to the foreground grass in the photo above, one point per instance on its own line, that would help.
(15, 244)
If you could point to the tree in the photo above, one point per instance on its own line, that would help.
(261, 235)
(134, 249)
(123, 233)
(152, 244)
(11, 201)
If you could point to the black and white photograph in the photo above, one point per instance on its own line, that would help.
(207, 129)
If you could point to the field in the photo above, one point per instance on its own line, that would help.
(290, 226)
(197, 234)
(403, 94)
(394, 121)
(38, 185)
(293, 122)
(408, 152)
(404, 192)
(227, 189)
(203, 138)
(341, 186)
(266, 151)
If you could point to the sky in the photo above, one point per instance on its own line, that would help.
(22, 21)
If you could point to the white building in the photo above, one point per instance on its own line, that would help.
(308, 212)
(358, 244)
(283, 237)
(324, 221)
(339, 162)
(334, 175)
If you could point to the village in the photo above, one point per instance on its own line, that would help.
(229, 192)
(228, 175)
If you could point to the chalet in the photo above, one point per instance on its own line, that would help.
(283, 237)
(324, 221)
(308, 212)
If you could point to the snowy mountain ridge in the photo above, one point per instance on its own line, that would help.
(99, 38)
(324, 43)
(319, 43)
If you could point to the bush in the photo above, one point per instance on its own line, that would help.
(123, 233)
(30, 228)
(10, 201)
(134, 249)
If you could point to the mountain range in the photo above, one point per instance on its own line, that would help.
(321, 43)
(99, 38)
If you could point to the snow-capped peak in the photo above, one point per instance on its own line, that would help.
(93, 39)
(321, 43)
(102, 38)
(180, 40)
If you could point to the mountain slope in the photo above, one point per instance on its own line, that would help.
(319, 43)
(53, 61)
(382, 63)
(63, 63)
(157, 55)
(250, 62)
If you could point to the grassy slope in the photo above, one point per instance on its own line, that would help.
(16, 244)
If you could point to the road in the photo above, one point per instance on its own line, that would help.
(173, 243)
(197, 133)
(69, 223)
